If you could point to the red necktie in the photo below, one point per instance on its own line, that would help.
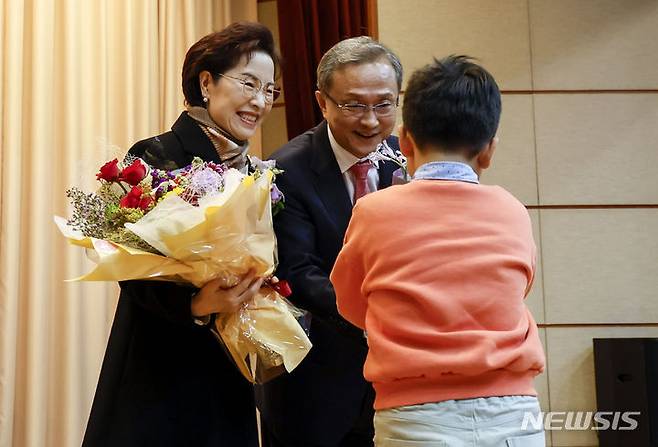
(360, 172)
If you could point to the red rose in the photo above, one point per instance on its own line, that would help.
(134, 173)
(109, 171)
(132, 199)
(145, 202)
(283, 288)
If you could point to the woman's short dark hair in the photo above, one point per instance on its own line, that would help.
(220, 51)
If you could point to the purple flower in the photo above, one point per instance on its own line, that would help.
(218, 168)
(276, 194)
(158, 177)
(162, 189)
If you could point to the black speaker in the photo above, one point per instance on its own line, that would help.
(626, 371)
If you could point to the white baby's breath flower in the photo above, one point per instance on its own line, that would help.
(384, 152)
(262, 165)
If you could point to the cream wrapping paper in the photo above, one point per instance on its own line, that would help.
(224, 237)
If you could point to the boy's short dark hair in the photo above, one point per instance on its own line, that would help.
(453, 104)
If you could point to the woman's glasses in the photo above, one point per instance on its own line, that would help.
(252, 86)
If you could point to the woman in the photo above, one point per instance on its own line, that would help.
(166, 380)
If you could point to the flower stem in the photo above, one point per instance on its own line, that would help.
(122, 187)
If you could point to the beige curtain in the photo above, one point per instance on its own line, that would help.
(80, 82)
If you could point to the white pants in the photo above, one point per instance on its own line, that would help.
(481, 422)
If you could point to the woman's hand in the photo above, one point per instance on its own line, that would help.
(212, 298)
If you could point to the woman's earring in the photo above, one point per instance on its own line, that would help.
(205, 99)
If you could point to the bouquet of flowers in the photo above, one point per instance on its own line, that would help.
(192, 225)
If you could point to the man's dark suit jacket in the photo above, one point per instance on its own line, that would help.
(320, 401)
(166, 381)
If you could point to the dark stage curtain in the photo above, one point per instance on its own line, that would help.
(308, 28)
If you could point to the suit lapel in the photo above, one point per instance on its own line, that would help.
(329, 180)
(386, 170)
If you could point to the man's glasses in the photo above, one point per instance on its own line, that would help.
(251, 87)
(354, 109)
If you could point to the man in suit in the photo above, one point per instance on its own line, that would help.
(326, 401)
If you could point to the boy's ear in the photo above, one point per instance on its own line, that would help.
(406, 142)
(486, 155)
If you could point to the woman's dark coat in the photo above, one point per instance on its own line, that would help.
(165, 380)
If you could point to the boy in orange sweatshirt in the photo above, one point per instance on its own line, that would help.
(436, 271)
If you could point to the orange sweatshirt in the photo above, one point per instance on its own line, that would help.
(436, 272)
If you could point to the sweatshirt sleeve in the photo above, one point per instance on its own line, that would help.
(533, 269)
(349, 270)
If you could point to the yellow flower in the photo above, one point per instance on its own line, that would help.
(177, 190)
